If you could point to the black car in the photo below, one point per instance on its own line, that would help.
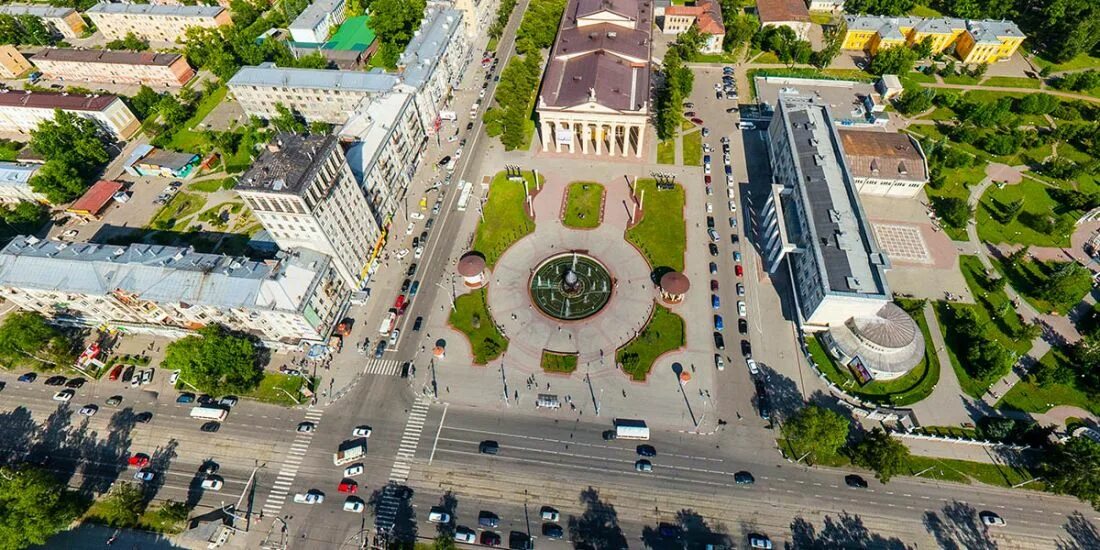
(429, 223)
(489, 538)
(128, 374)
(205, 399)
(518, 540)
(412, 270)
(713, 248)
(763, 404)
(186, 397)
(488, 519)
(443, 161)
(488, 447)
(405, 369)
(419, 322)
(29, 377)
(742, 326)
(405, 285)
(378, 351)
(55, 381)
(552, 531)
(855, 481)
(143, 418)
(424, 237)
(746, 349)
(719, 342)
(646, 450)
(608, 435)
(469, 126)
(743, 478)
(210, 427)
(710, 222)
(75, 383)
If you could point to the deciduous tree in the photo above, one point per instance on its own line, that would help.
(26, 339)
(816, 433)
(34, 506)
(215, 361)
(1074, 468)
(882, 453)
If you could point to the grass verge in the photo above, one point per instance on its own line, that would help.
(1012, 82)
(661, 234)
(505, 217)
(666, 151)
(583, 200)
(181, 207)
(693, 149)
(274, 388)
(558, 362)
(663, 333)
(471, 317)
(1028, 396)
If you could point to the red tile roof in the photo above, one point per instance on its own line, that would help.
(707, 14)
(55, 100)
(96, 197)
(781, 11)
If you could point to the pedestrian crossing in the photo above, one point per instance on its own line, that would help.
(285, 478)
(386, 511)
(384, 367)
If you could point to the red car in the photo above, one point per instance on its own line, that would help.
(698, 121)
(115, 373)
(713, 285)
(738, 270)
(348, 486)
(139, 460)
(400, 304)
(706, 179)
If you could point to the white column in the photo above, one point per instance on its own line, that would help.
(584, 138)
(641, 134)
(626, 139)
(611, 142)
(557, 128)
(599, 138)
(546, 135)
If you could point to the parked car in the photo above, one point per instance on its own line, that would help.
(715, 301)
(991, 519)
(114, 400)
(549, 514)
(488, 519)
(439, 516)
(719, 325)
(746, 349)
(64, 396)
(143, 417)
(489, 538)
(186, 397)
(88, 410)
(354, 505)
(742, 326)
(757, 540)
(465, 535)
(719, 341)
(210, 427)
(353, 470)
(643, 466)
(55, 381)
(28, 377)
(138, 460)
(718, 362)
(145, 475)
(552, 531)
(361, 431)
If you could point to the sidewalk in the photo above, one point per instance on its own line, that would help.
(948, 405)
(964, 451)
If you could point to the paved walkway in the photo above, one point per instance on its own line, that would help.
(948, 405)
(1059, 93)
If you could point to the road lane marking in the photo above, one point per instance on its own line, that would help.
(436, 442)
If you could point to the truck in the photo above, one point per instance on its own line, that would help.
(345, 455)
(388, 322)
(631, 429)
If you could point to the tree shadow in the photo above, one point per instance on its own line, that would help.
(159, 460)
(49, 448)
(697, 533)
(846, 531)
(107, 456)
(1082, 534)
(194, 488)
(393, 503)
(783, 393)
(18, 429)
(959, 528)
(598, 527)
(447, 503)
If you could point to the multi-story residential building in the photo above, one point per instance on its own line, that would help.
(814, 219)
(312, 26)
(886, 164)
(705, 14)
(115, 67)
(170, 290)
(155, 23)
(12, 63)
(304, 193)
(316, 94)
(595, 92)
(477, 15)
(386, 140)
(64, 22)
(15, 183)
(22, 111)
(973, 41)
(785, 13)
(435, 61)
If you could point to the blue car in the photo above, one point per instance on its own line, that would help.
(718, 324)
(715, 302)
(413, 290)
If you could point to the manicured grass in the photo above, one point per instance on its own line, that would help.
(960, 79)
(663, 333)
(721, 58)
(920, 10)
(1037, 202)
(805, 72)
(766, 57)
(181, 207)
(559, 362)
(821, 17)
(188, 140)
(661, 234)
(957, 185)
(666, 151)
(471, 317)
(212, 185)
(693, 149)
(583, 202)
(686, 125)
(1029, 396)
(1082, 61)
(940, 113)
(1029, 276)
(272, 388)
(914, 386)
(1012, 82)
(506, 220)
(918, 78)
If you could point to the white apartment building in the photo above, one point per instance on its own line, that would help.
(435, 61)
(885, 164)
(477, 16)
(22, 111)
(170, 290)
(65, 22)
(305, 195)
(153, 22)
(314, 23)
(385, 140)
(814, 219)
(316, 94)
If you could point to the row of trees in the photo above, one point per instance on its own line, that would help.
(74, 152)
(24, 29)
(130, 42)
(820, 435)
(34, 506)
(504, 13)
(395, 22)
(676, 83)
(983, 357)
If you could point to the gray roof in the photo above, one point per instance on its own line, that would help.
(427, 46)
(287, 164)
(988, 32)
(106, 56)
(13, 174)
(888, 342)
(37, 11)
(984, 31)
(156, 9)
(839, 232)
(268, 76)
(315, 13)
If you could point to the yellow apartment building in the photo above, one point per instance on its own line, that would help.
(974, 41)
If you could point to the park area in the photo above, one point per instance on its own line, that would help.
(583, 205)
(471, 317)
(564, 363)
(505, 219)
(660, 235)
(663, 333)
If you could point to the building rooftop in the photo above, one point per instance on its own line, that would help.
(268, 75)
(984, 31)
(370, 126)
(428, 44)
(163, 274)
(889, 342)
(887, 155)
(354, 35)
(96, 197)
(55, 100)
(13, 174)
(707, 13)
(106, 56)
(168, 159)
(839, 235)
(315, 13)
(37, 11)
(782, 11)
(287, 163)
(156, 9)
(991, 32)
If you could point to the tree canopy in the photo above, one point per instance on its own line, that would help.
(816, 433)
(882, 453)
(215, 361)
(27, 340)
(893, 60)
(74, 154)
(34, 506)
(879, 7)
(1074, 468)
(394, 21)
(130, 42)
(24, 29)
(122, 506)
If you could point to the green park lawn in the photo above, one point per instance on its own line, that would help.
(920, 10)
(583, 202)
(1012, 82)
(189, 140)
(661, 234)
(821, 17)
(917, 77)
(559, 362)
(663, 333)
(471, 317)
(666, 151)
(181, 207)
(914, 386)
(1037, 202)
(693, 149)
(1082, 61)
(960, 79)
(506, 220)
(274, 388)
(212, 185)
(1028, 277)
(1029, 396)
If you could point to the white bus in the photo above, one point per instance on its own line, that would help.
(464, 195)
(631, 429)
(209, 413)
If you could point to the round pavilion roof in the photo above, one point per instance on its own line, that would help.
(889, 342)
(470, 265)
(675, 282)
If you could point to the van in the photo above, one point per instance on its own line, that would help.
(746, 126)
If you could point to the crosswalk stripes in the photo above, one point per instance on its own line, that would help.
(386, 510)
(384, 367)
(285, 478)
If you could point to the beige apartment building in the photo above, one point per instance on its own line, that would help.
(155, 23)
(115, 67)
(12, 63)
(22, 111)
(316, 94)
(65, 22)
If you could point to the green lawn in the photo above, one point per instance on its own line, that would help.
(471, 317)
(663, 333)
(920, 10)
(661, 234)
(914, 386)
(1028, 396)
(181, 207)
(212, 185)
(917, 77)
(957, 185)
(766, 57)
(960, 79)
(1082, 61)
(1012, 82)
(940, 113)
(153, 518)
(666, 151)
(583, 202)
(559, 362)
(1037, 202)
(693, 149)
(821, 17)
(721, 58)
(1029, 276)
(274, 388)
(506, 220)
(188, 140)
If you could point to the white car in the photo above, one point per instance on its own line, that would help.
(173, 378)
(746, 126)
(144, 475)
(718, 362)
(713, 235)
(458, 153)
(741, 309)
(136, 380)
(550, 514)
(88, 410)
(437, 516)
(361, 431)
(418, 252)
(409, 228)
(710, 208)
(729, 180)
(354, 469)
(401, 253)
(309, 498)
(733, 206)
(393, 336)
(706, 168)
(63, 396)
(752, 367)
(353, 505)
(465, 535)
(416, 216)
(212, 483)
(991, 519)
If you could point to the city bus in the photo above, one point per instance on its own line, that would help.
(209, 413)
(464, 195)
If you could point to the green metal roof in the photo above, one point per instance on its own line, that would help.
(355, 34)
